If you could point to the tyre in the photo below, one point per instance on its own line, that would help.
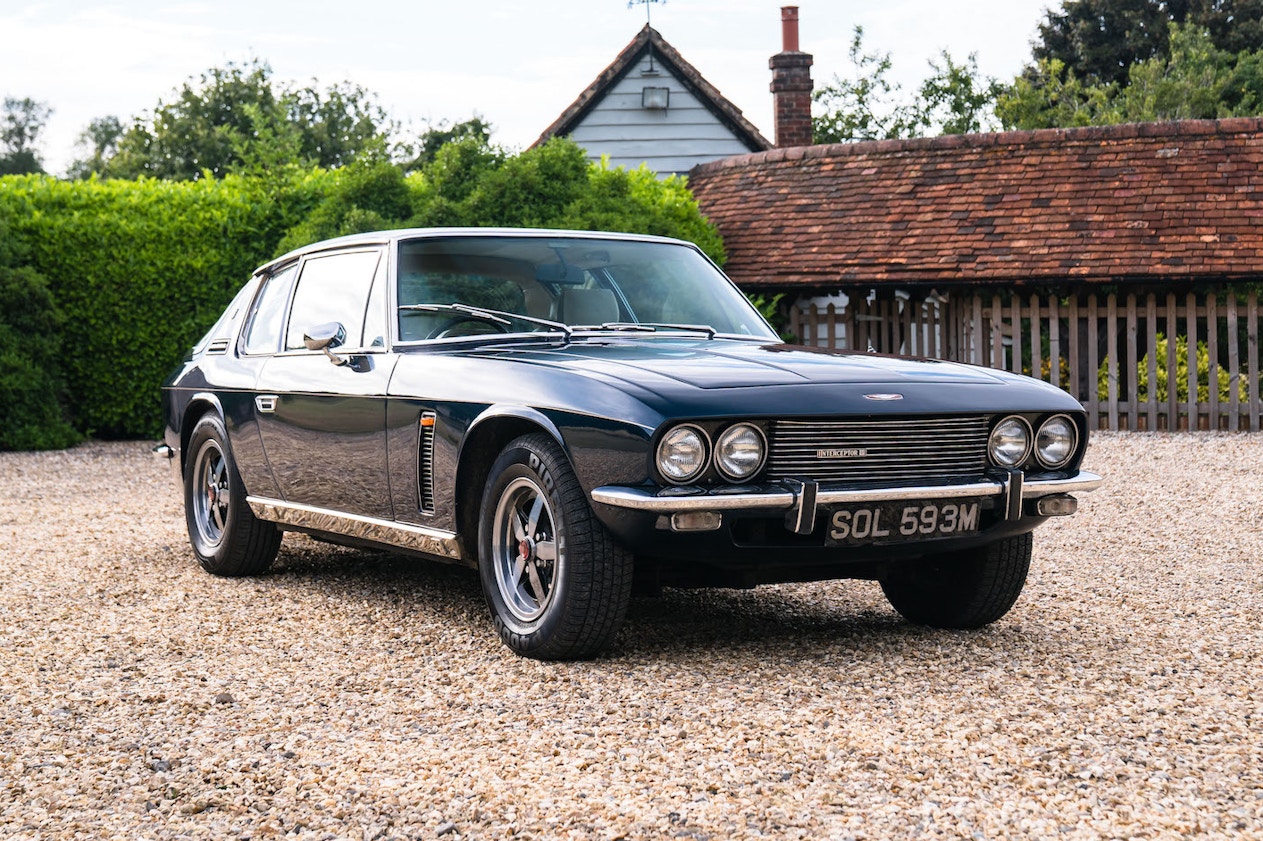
(226, 536)
(556, 583)
(966, 589)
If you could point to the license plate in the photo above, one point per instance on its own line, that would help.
(900, 522)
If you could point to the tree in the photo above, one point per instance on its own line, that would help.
(100, 140)
(20, 126)
(1196, 80)
(954, 99)
(437, 135)
(198, 130)
(234, 119)
(1099, 40)
(957, 99)
(338, 126)
(1192, 83)
(866, 106)
(1050, 95)
(1233, 25)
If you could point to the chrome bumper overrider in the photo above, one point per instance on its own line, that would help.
(167, 453)
(1009, 491)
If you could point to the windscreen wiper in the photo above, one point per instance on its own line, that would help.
(494, 316)
(652, 327)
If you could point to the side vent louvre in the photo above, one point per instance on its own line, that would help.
(218, 346)
(425, 467)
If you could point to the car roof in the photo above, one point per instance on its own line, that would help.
(392, 236)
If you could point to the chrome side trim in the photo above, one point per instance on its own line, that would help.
(403, 535)
(266, 403)
(641, 499)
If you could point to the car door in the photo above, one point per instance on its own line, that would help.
(322, 415)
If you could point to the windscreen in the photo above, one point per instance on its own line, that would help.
(579, 282)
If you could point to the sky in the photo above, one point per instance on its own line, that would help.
(517, 64)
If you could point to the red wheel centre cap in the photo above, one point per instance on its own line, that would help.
(524, 549)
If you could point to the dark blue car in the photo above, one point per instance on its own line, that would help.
(581, 415)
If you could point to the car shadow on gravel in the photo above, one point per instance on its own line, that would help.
(344, 572)
(768, 619)
(802, 620)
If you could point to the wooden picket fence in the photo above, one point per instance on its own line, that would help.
(1104, 349)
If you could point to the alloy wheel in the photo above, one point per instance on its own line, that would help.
(524, 549)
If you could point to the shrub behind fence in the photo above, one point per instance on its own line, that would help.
(1105, 349)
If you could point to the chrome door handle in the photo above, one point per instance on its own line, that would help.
(266, 403)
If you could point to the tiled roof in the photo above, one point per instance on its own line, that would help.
(1163, 202)
(706, 93)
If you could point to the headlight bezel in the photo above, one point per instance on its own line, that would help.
(703, 464)
(717, 454)
(1070, 451)
(1029, 433)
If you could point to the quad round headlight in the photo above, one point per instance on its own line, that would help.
(1010, 442)
(1055, 442)
(740, 451)
(682, 454)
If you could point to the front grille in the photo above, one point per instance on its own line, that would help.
(887, 450)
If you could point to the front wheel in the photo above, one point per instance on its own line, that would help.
(557, 585)
(226, 536)
(965, 589)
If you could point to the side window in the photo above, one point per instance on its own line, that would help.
(229, 319)
(375, 318)
(267, 319)
(333, 288)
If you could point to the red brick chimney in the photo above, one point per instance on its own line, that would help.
(791, 85)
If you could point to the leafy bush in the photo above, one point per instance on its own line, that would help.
(362, 197)
(770, 308)
(554, 186)
(1181, 375)
(471, 184)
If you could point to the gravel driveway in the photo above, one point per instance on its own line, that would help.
(358, 695)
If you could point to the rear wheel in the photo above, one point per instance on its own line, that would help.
(226, 536)
(556, 583)
(966, 589)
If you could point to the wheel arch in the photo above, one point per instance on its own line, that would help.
(486, 437)
(200, 404)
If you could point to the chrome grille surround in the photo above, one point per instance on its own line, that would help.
(881, 450)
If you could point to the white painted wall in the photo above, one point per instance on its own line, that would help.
(671, 141)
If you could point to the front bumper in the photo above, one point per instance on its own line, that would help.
(166, 453)
(801, 499)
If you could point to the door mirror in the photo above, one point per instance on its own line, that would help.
(324, 337)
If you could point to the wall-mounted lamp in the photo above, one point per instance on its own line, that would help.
(655, 99)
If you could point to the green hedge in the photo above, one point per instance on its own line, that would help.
(31, 386)
(141, 269)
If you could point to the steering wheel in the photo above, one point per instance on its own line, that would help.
(455, 321)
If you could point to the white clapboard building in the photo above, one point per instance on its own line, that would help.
(652, 107)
